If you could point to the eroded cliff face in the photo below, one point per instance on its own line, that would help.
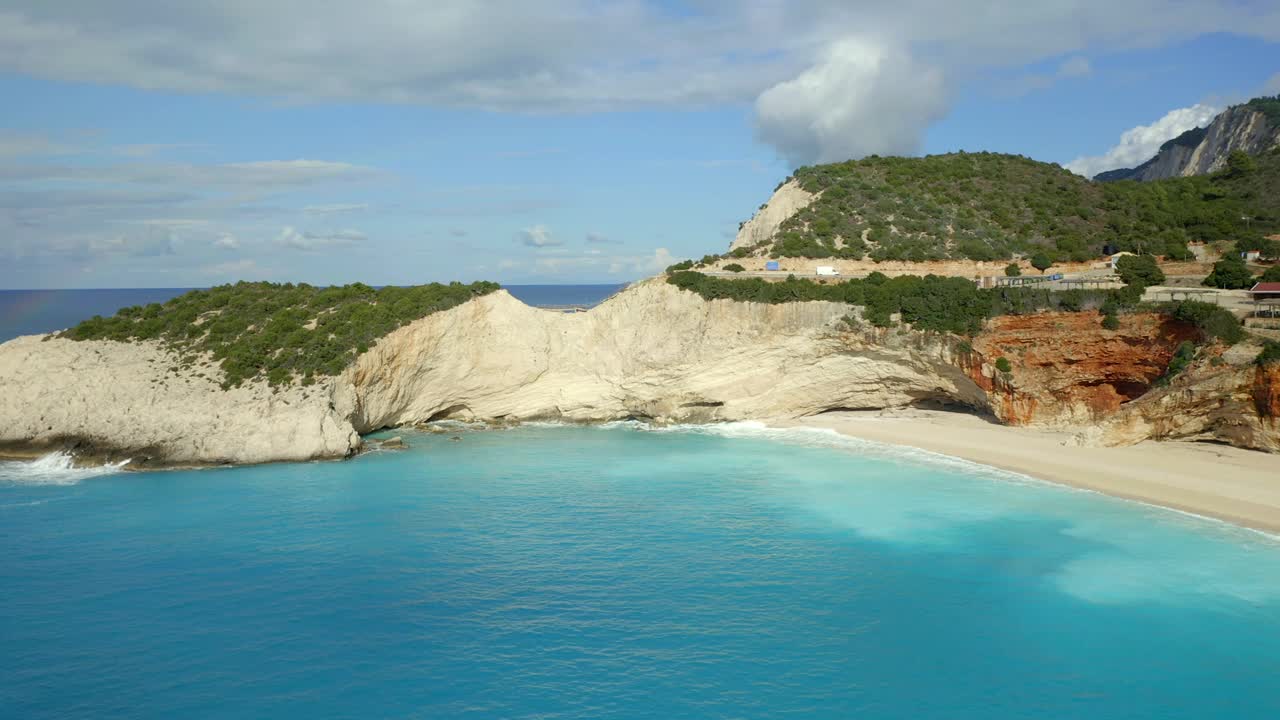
(1219, 403)
(787, 200)
(111, 401)
(1070, 373)
(1068, 370)
(653, 352)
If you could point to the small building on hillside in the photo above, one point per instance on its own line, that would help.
(1265, 291)
(1251, 255)
(1266, 299)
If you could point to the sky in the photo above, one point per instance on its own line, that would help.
(159, 144)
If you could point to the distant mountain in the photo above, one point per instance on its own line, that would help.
(1253, 127)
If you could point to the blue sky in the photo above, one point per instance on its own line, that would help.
(560, 142)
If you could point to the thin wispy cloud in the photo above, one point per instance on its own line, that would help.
(295, 239)
(538, 236)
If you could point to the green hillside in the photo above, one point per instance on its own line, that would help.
(280, 332)
(989, 206)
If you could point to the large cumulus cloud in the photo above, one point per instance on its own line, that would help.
(861, 98)
(1139, 144)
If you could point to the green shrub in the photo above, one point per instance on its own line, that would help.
(734, 267)
(1271, 274)
(1214, 322)
(1012, 270)
(1229, 273)
(1182, 357)
(1139, 270)
(1002, 364)
(1110, 321)
(1270, 353)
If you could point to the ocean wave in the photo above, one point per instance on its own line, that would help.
(831, 439)
(57, 468)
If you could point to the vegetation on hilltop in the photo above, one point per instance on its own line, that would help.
(954, 305)
(990, 206)
(942, 304)
(280, 332)
(1269, 106)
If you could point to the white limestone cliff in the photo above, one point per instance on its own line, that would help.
(652, 351)
(787, 200)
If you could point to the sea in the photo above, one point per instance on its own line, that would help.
(28, 312)
(622, 571)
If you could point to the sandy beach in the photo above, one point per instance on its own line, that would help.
(1240, 486)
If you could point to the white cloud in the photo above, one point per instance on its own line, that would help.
(1075, 67)
(227, 241)
(291, 237)
(862, 98)
(234, 269)
(575, 55)
(628, 266)
(267, 174)
(82, 199)
(21, 144)
(538, 236)
(147, 244)
(335, 209)
(1139, 144)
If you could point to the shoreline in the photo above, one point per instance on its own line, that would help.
(1226, 483)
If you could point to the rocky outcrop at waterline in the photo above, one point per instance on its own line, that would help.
(653, 352)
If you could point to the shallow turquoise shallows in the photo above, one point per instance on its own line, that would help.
(548, 572)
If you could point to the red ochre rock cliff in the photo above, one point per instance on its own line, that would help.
(1266, 393)
(1066, 369)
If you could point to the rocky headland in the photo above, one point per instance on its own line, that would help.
(653, 352)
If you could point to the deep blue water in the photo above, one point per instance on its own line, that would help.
(27, 312)
(547, 572)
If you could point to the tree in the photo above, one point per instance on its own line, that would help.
(1271, 275)
(1041, 262)
(1139, 270)
(1240, 162)
(1012, 270)
(1229, 273)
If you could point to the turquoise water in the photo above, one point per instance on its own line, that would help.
(548, 572)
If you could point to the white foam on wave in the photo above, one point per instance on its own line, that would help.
(828, 438)
(57, 468)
